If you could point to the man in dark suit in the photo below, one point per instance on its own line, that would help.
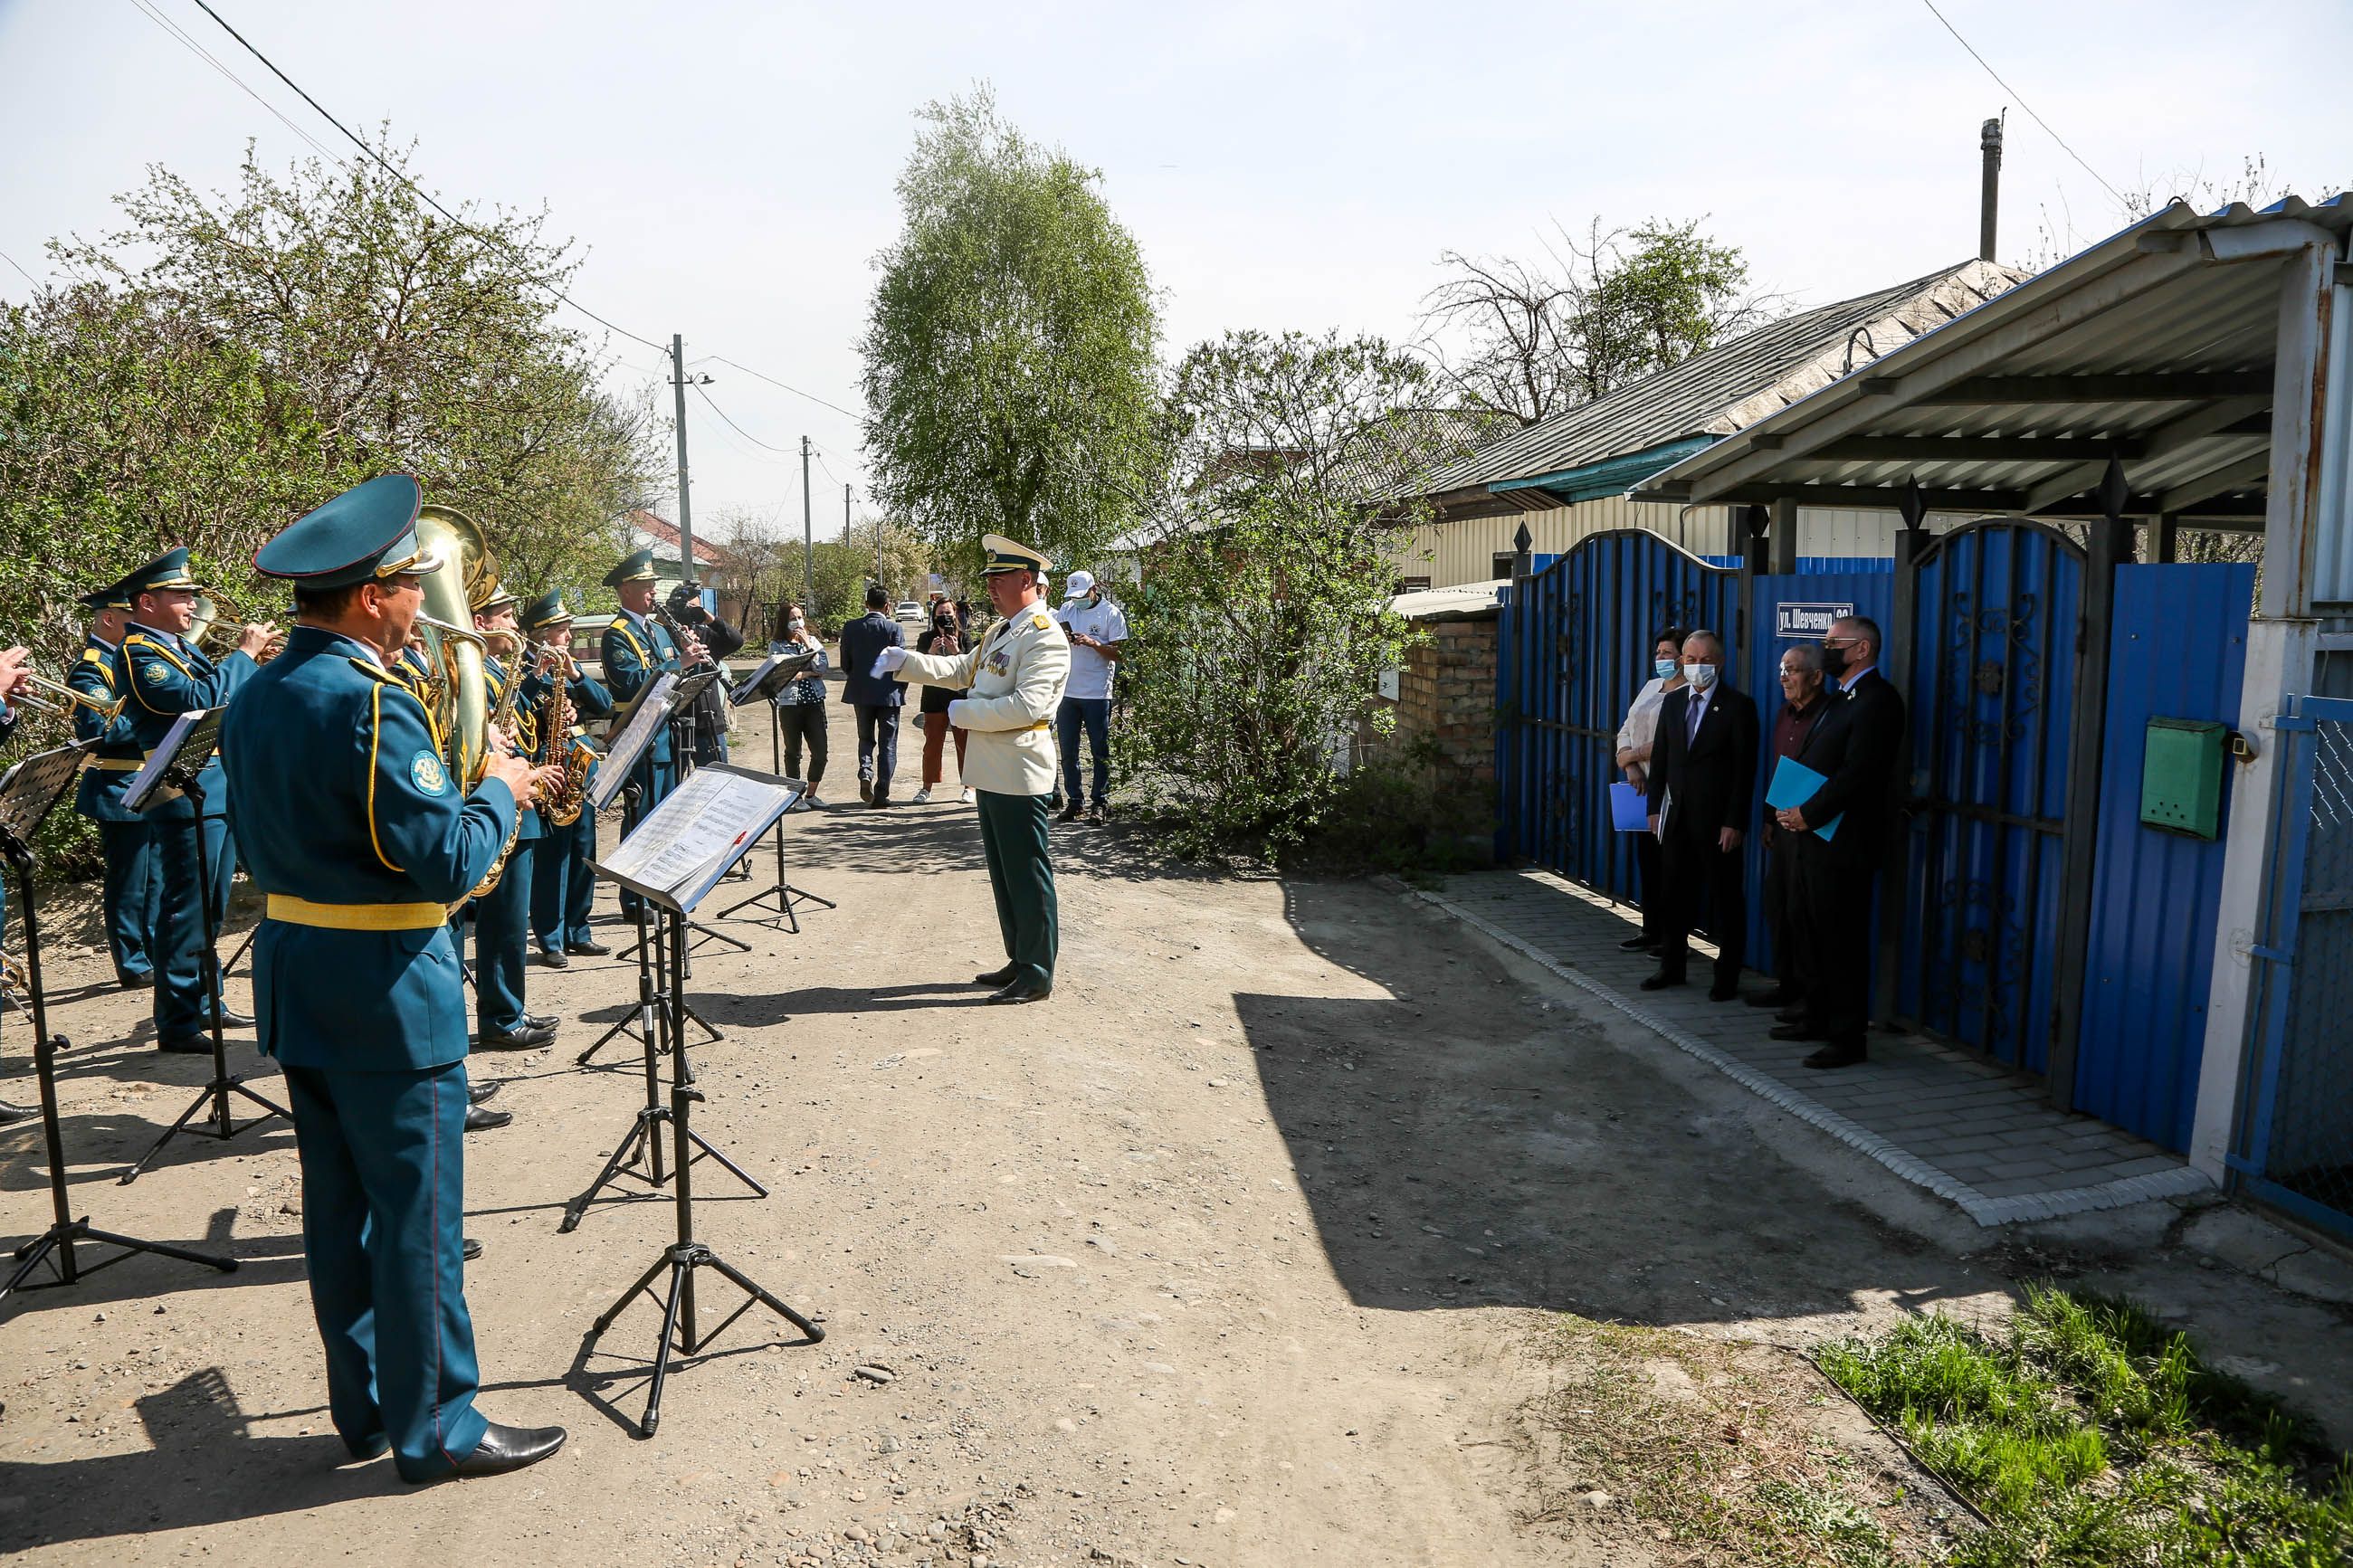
(1703, 789)
(723, 642)
(1855, 749)
(874, 697)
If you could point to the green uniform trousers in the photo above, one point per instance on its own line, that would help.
(1013, 838)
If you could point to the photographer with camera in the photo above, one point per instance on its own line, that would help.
(721, 641)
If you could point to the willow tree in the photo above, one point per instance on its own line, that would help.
(1010, 347)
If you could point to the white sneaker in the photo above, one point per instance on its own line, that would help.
(966, 798)
(922, 796)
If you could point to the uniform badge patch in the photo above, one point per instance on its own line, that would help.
(427, 773)
(158, 670)
(1039, 622)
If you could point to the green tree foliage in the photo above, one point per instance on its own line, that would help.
(1262, 625)
(769, 560)
(1009, 350)
(1529, 340)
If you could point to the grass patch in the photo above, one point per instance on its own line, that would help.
(2090, 1434)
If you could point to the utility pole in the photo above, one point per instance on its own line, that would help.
(685, 508)
(877, 532)
(809, 539)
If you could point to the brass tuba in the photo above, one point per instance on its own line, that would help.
(458, 691)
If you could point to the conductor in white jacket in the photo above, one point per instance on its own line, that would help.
(1014, 678)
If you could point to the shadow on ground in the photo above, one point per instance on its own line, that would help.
(1464, 1143)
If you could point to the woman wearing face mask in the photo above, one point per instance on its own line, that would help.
(800, 707)
(1634, 740)
(946, 637)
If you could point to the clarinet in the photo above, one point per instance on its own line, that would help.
(677, 636)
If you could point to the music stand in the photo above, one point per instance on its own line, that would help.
(28, 792)
(678, 712)
(174, 768)
(673, 859)
(766, 683)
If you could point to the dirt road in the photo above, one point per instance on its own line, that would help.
(1227, 1255)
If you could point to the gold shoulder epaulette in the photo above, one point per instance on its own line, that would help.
(376, 671)
(1040, 622)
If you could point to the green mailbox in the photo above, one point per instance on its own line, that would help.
(2182, 776)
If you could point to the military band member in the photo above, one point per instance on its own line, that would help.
(126, 839)
(561, 886)
(361, 841)
(165, 675)
(15, 675)
(637, 650)
(1015, 677)
(502, 915)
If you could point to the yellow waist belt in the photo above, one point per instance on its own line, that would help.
(286, 907)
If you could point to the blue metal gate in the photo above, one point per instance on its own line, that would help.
(2296, 1145)
(1990, 677)
(1576, 648)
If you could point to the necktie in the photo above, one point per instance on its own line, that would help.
(1698, 712)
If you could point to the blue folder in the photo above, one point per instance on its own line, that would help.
(1629, 808)
(1794, 784)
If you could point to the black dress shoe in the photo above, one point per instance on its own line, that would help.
(541, 1020)
(478, 1092)
(587, 949)
(1638, 943)
(504, 1449)
(1798, 1029)
(185, 1044)
(481, 1118)
(1072, 813)
(1793, 1014)
(866, 788)
(11, 1112)
(233, 1019)
(144, 980)
(1779, 996)
(525, 1038)
(1836, 1056)
(1661, 981)
(1023, 990)
(880, 803)
(470, 1250)
(997, 977)
(1724, 991)
(554, 958)
(374, 1448)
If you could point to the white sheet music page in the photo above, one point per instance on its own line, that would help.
(700, 829)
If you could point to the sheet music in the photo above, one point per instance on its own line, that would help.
(700, 829)
(623, 750)
(147, 787)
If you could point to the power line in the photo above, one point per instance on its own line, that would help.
(733, 425)
(2006, 88)
(386, 165)
(187, 41)
(13, 262)
(772, 380)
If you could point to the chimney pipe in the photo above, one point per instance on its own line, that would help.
(1990, 195)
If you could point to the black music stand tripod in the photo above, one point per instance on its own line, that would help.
(783, 895)
(183, 773)
(680, 1332)
(640, 1153)
(31, 788)
(652, 977)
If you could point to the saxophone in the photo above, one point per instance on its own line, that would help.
(562, 807)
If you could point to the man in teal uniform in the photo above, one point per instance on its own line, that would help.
(362, 840)
(125, 838)
(637, 650)
(16, 674)
(502, 915)
(165, 675)
(562, 886)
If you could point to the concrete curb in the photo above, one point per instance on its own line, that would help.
(1986, 1211)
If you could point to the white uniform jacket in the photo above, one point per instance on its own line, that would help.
(1014, 682)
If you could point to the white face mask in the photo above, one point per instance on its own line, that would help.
(1701, 676)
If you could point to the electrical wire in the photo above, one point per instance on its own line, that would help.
(772, 380)
(187, 41)
(388, 168)
(2006, 88)
(13, 262)
(731, 423)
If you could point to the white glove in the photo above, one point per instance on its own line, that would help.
(889, 660)
(955, 720)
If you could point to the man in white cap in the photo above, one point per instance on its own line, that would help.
(1096, 627)
(1013, 679)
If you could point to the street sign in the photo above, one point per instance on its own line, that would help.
(1800, 621)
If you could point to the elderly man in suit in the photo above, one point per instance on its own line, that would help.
(1703, 788)
(875, 697)
(1855, 748)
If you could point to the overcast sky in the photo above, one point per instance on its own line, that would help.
(729, 167)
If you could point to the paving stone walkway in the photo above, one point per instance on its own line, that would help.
(1968, 1130)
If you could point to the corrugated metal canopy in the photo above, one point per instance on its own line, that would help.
(1720, 389)
(2154, 347)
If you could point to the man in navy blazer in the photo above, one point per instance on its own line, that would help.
(874, 697)
(1703, 792)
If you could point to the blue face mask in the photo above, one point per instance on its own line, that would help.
(1664, 668)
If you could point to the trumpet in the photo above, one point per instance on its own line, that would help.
(63, 699)
(216, 638)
